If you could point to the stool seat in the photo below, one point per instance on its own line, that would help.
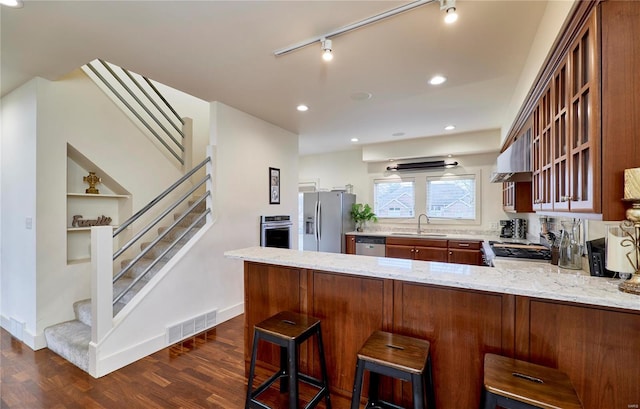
(396, 351)
(288, 325)
(400, 357)
(534, 386)
(288, 330)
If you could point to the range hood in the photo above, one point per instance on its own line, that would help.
(514, 164)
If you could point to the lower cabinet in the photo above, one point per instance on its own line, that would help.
(350, 241)
(417, 249)
(596, 346)
(465, 252)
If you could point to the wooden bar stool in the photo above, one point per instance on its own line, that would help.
(288, 330)
(513, 384)
(397, 356)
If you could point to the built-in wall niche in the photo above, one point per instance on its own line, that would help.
(112, 201)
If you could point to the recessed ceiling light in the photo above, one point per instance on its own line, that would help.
(361, 96)
(354, 139)
(12, 3)
(398, 134)
(391, 160)
(449, 127)
(449, 155)
(437, 80)
(302, 108)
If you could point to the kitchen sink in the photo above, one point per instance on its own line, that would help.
(419, 234)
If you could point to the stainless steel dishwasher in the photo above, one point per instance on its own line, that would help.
(370, 246)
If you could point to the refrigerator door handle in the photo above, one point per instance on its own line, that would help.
(315, 221)
(319, 221)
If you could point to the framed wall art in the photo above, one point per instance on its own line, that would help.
(274, 186)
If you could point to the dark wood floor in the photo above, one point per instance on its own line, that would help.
(206, 371)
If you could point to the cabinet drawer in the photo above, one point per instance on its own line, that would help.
(410, 241)
(465, 244)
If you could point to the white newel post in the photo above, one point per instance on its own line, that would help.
(101, 281)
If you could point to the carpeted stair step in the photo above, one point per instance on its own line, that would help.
(82, 310)
(140, 266)
(188, 219)
(173, 233)
(122, 284)
(158, 249)
(71, 341)
(200, 207)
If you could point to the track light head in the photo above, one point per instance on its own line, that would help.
(327, 52)
(449, 6)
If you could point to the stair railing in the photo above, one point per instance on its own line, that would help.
(148, 106)
(104, 237)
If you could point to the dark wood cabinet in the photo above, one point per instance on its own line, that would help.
(461, 326)
(465, 252)
(268, 290)
(350, 241)
(417, 249)
(595, 346)
(516, 197)
(351, 308)
(442, 250)
(584, 112)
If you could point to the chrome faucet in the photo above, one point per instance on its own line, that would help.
(427, 217)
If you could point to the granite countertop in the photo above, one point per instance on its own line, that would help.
(532, 279)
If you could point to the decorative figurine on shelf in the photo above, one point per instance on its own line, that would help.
(92, 180)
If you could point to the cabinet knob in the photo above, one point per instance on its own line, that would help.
(451, 252)
(412, 250)
(417, 251)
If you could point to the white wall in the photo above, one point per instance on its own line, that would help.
(72, 110)
(196, 109)
(204, 279)
(554, 16)
(18, 273)
(339, 168)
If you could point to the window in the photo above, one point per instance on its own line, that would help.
(452, 197)
(394, 198)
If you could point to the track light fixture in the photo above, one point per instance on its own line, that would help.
(327, 52)
(449, 6)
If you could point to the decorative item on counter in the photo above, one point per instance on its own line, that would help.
(361, 213)
(92, 180)
(570, 249)
(631, 228)
(78, 221)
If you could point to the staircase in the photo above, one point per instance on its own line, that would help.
(71, 339)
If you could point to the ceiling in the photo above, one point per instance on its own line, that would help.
(223, 51)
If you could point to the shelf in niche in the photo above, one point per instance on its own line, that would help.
(98, 196)
(74, 229)
(79, 260)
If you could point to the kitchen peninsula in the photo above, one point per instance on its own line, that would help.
(580, 324)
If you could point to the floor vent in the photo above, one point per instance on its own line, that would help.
(191, 327)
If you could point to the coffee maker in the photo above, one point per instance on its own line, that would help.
(506, 228)
(513, 229)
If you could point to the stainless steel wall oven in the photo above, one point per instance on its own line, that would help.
(276, 231)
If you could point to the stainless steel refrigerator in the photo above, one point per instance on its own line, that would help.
(326, 219)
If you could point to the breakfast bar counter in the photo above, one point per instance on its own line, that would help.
(536, 312)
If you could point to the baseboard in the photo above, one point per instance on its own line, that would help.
(34, 342)
(122, 358)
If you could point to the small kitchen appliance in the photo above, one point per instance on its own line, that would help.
(506, 228)
(513, 229)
